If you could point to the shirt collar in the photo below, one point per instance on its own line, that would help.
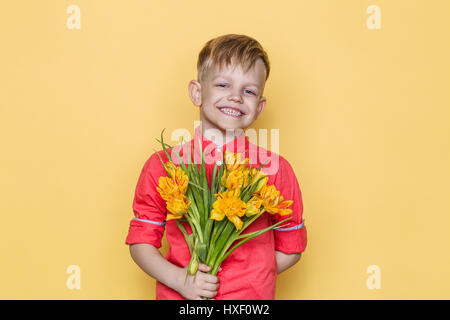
(239, 144)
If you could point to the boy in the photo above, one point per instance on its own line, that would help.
(232, 71)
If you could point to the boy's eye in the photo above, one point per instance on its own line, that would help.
(224, 85)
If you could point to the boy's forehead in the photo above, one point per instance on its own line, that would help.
(256, 74)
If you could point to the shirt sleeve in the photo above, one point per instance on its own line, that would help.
(149, 208)
(292, 237)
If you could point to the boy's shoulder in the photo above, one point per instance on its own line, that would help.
(153, 165)
(276, 163)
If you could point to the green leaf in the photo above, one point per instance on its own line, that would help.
(163, 144)
(197, 186)
(248, 193)
(259, 168)
(258, 232)
(248, 237)
(201, 251)
(185, 234)
(167, 172)
(213, 182)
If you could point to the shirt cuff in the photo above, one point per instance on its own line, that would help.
(292, 239)
(145, 231)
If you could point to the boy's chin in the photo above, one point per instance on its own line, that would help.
(230, 125)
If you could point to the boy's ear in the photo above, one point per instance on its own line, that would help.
(195, 92)
(261, 105)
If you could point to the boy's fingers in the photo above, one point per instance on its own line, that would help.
(208, 294)
(203, 267)
(210, 278)
(211, 286)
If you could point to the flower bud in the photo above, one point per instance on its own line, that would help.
(261, 184)
(193, 265)
(251, 210)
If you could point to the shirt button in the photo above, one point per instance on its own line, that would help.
(219, 163)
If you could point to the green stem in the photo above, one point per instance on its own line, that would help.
(258, 232)
(226, 240)
(217, 231)
(218, 259)
(195, 227)
(208, 228)
(248, 237)
(248, 222)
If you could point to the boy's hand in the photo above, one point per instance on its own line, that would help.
(205, 285)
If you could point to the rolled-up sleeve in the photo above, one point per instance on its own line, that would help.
(292, 236)
(149, 208)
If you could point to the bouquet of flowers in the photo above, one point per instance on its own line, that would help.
(218, 213)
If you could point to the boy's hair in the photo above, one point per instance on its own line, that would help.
(231, 47)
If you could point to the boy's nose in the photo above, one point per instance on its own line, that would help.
(236, 97)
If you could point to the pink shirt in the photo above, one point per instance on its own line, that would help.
(250, 272)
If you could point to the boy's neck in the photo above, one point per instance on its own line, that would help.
(227, 135)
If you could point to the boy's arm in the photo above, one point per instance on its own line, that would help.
(285, 261)
(291, 238)
(150, 260)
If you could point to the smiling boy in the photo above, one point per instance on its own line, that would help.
(232, 71)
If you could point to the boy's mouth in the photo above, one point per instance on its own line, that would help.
(232, 112)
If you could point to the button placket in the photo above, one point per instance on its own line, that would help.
(219, 151)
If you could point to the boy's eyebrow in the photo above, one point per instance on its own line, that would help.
(225, 77)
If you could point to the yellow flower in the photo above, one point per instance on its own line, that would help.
(173, 189)
(177, 183)
(230, 205)
(247, 176)
(171, 168)
(178, 175)
(253, 206)
(234, 161)
(181, 179)
(223, 181)
(177, 206)
(168, 188)
(273, 201)
(233, 180)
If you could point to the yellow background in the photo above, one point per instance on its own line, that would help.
(363, 117)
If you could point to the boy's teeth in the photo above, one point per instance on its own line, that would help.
(231, 111)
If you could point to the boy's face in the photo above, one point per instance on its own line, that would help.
(229, 98)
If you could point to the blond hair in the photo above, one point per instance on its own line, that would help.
(231, 48)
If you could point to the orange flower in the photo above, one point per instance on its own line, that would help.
(171, 168)
(168, 188)
(174, 185)
(247, 173)
(173, 189)
(177, 206)
(229, 205)
(273, 201)
(233, 180)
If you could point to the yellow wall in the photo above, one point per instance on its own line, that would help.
(363, 117)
